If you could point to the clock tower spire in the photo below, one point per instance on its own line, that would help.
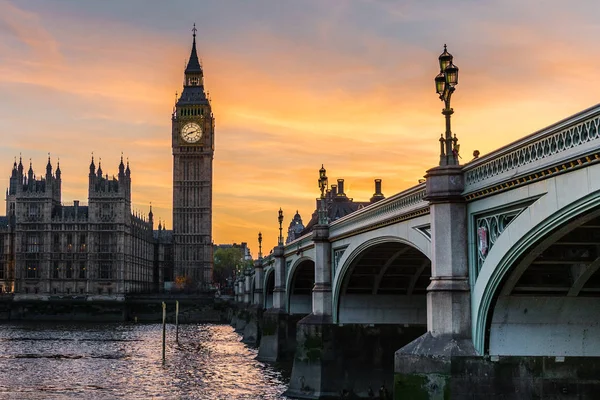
(192, 139)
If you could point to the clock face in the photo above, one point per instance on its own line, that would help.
(191, 132)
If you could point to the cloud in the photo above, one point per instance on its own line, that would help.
(294, 86)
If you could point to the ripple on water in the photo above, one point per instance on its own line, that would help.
(92, 361)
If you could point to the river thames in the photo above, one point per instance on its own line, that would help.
(110, 361)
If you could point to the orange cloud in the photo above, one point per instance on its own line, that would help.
(364, 105)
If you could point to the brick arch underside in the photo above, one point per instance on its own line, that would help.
(300, 288)
(386, 284)
(548, 304)
(269, 287)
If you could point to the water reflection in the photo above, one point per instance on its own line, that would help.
(93, 361)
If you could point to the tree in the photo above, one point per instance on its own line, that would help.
(228, 263)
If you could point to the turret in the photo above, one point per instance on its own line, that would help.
(20, 166)
(58, 173)
(121, 168)
(377, 195)
(48, 170)
(30, 174)
(92, 167)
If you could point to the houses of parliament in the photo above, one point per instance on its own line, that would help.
(102, 250)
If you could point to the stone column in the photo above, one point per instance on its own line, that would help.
(321, 293)
(423, 367)
(279, 290)
(240, 288)
(275, 341)
(247, 286)
(258, 283)
(448, 296)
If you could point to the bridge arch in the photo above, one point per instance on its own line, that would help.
(530, 281)
(299, 284)
(382, 281)
(269, 287)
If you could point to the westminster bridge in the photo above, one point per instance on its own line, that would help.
(484, 267)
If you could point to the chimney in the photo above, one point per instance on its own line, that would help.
(333, 190)
(377, 195)
(341, 188)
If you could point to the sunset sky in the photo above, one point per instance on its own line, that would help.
(294, 84)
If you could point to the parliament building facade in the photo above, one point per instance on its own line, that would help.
(103, 250)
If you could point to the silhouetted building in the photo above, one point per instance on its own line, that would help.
(99, 250)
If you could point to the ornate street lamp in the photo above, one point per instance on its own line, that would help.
(259, 245)
(445, 82)
(280, 219)
(323, 187)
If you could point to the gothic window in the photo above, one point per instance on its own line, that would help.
(194, 81)
(105, 270)
(69, 242)
(82, 243)
(34, 210)
(1, 271)
(104, 245)
(56, 243)
(82, 270)
(32, 270)
(33, 245)
(56, 271)
(69, 270)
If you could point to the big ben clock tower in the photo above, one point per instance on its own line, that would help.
(193, 148)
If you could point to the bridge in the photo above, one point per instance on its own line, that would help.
(483, 280)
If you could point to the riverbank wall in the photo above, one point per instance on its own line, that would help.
(141, 308)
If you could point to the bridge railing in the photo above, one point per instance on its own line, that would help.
(298, 244)
(398, 205)
(571, 138)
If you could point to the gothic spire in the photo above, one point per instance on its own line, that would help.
(99, 172)
(193, 63)
(49, 166)
(92, 166)
(121, 167)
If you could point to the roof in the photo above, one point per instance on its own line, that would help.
(193, 64)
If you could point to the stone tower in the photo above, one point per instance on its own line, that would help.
(193, 149)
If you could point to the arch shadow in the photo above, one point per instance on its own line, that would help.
(383, 281)
(511, 279)
(269, 287)
(299, 284)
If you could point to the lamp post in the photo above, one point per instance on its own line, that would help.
(259, 245)
(322, 186)
(445, 83)
(280, 219)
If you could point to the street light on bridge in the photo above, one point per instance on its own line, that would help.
(259, 245)
(280, 219)
(323, 182)
(445, 82)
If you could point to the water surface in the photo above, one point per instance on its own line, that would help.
(112, 361)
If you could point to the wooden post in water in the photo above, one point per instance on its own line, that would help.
(164, 307)
(177, 321)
